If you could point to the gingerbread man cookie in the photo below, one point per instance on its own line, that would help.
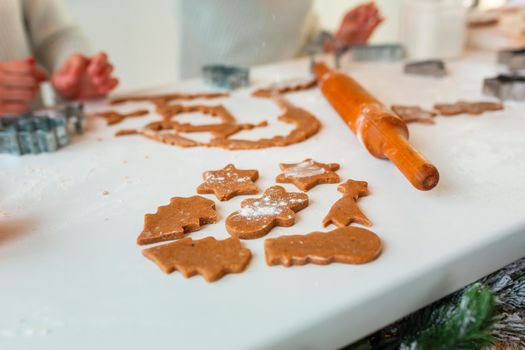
(308, 173)
(258, 216)
(207, 257)
(172, 221)
(345, 210)
(229, 182)
(348, 245)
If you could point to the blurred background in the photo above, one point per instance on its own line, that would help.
(140, 35)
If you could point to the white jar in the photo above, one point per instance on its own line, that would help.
(433, 28)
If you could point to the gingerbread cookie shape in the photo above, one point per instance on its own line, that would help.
(172, 221)
(229, 182)
(258, 216)
(207, 257)
(414, 114)
(308, 174)
(345, 210)
(463, 107)
(113, 117)
(348, 245)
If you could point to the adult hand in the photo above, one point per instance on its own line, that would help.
(358, 25)
(82, 77)
(19, 82)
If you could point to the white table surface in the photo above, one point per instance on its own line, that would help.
(73, 277)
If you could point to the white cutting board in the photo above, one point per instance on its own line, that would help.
(73, 277)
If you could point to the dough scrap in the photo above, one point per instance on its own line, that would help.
(229, 182)
(414, 114)
(463, 107)
(226, 128)
(258, 216)
(169, 132)
(113, 117)
(208, 257)
(173, 221)
(163, 99)
(348, 245)
(285, 87)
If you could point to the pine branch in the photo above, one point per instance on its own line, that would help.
(465, 326)
(492, 309)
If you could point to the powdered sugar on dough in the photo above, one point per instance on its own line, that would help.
(308, 174)
(306, 168)
(229, 177)
(266, 207)
(229, 182)
(258, 216)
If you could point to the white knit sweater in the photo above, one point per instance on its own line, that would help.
(39, 28)
(242, 32)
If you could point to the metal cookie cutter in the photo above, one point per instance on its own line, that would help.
(513, 59)
(381, 52)
(431, 68)
(228, 77)
(505, 87)
(40, 131)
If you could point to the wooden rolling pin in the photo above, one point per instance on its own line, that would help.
(382, 132)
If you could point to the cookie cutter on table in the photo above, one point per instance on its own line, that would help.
(40, 131)
(317, 46)
(505, 87)
(431, 68)
(224, 76)
(513, 59)
(378, 52)
(363, 52)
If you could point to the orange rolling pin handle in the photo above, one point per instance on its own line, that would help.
(383, 133)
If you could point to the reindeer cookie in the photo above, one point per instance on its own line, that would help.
(345, 210)
(308, 174)
(258, 216)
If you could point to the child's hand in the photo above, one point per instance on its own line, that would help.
(19, 82)
(83, 78)
(358, 25)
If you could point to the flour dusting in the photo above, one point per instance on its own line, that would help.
(228, 177)
(306, 168)
(266, 207)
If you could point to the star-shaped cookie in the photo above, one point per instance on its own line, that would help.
(229, 182)
(308, 173)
